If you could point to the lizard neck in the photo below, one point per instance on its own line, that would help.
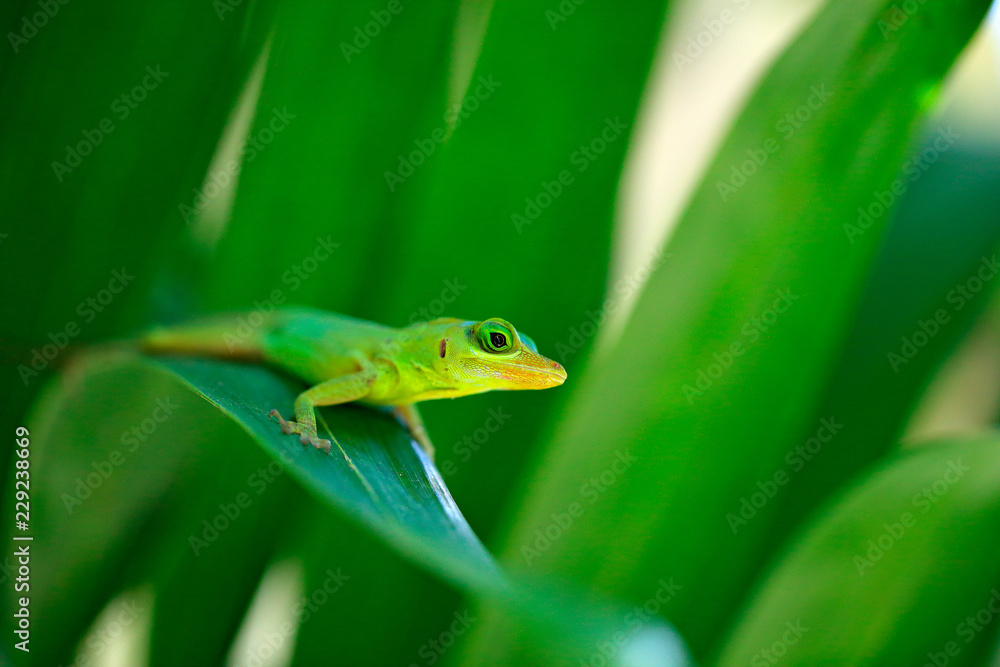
(417, 359)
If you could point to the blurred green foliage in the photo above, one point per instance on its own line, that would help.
(363, 187)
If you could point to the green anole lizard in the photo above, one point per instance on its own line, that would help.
(345, 359)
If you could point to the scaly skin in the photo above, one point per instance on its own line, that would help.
(346, 360)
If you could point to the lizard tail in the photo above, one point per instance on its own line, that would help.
(229, 337)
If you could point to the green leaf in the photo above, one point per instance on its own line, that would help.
(896, 571)
(312, 216)
(381, 479)
(376, 476)
(65, 235)
(102, 469)
(924, 269)
(762, 263)
(353, 102)
(410, 603)
(202, 589)
(355, 121)
(530, 114)
(115, 197)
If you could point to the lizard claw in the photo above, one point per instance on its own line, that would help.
(305, 437)
(282, 422)
(319, 443)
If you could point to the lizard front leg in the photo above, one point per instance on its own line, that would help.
(343, 389)
(410, 418)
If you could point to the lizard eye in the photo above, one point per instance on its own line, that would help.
(495, 337)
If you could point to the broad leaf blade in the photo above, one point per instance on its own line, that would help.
(209, 547)
(310, 215)
(104, 464)
(892, 572)
(469, 249)
(942, 244)
(66, 234)
(376, 475)
(353, 104)
(706, 423)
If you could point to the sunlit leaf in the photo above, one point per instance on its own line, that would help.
(918, 305)
(893, 573)
(727, 355)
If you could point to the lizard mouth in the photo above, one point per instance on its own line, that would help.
(552, 376)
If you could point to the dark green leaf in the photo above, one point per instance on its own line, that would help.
(65, 234)
(102, 468)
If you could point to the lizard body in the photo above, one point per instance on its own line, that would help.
(346, 359)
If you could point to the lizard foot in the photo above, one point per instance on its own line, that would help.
(313, 439)
(306, 436)
(286, 427)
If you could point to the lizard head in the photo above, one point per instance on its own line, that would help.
(491, 354)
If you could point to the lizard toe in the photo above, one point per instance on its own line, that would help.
(286, 426)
